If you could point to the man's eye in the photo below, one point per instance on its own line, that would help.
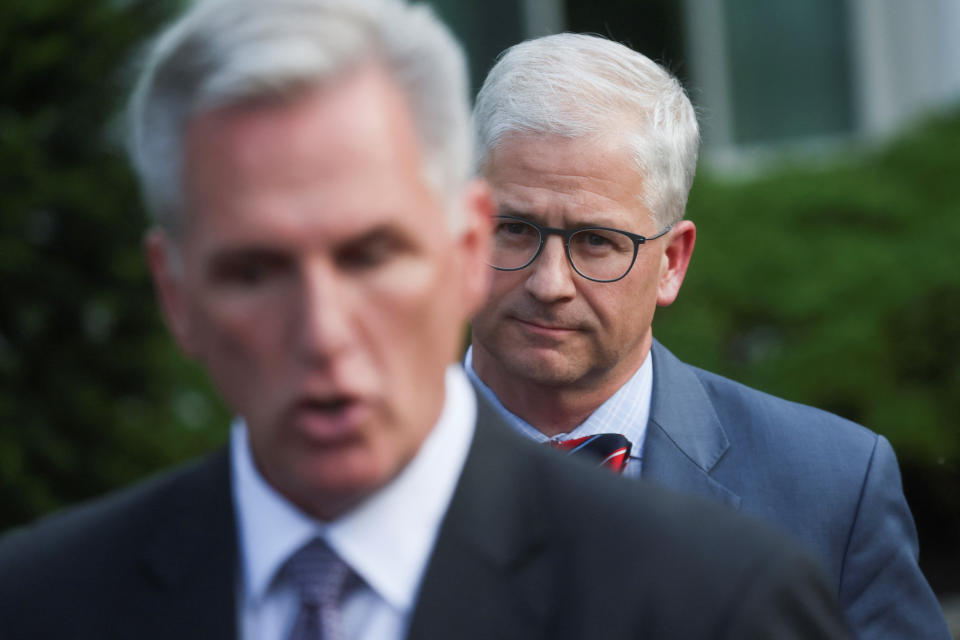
(248, 271)
(247, 275)
(513, 229)
(369, 254)
(588, 240)
(600, 241)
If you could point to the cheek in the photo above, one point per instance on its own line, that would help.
(238, 345)
(411, 335)
(630, 308)
(504, 287)
(389, 314)
(432, 317)
(620, 306)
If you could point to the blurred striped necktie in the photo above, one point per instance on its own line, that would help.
(320, 577)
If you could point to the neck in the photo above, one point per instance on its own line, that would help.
(552, 407)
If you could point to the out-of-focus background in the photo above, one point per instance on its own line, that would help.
(827, 268)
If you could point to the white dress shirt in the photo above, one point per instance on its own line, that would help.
(625, 412)
(386, 540)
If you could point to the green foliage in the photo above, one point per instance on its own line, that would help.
(92, 392)
(837, 287)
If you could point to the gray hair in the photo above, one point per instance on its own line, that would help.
(228, 52)
(575, 85)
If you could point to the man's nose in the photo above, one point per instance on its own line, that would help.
(551, 275)
(324, 326)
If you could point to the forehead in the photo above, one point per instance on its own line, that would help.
(346, 152)
(566, 178)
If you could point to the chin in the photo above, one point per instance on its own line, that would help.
(328, 487)
(548, 371)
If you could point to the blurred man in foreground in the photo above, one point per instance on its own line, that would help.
(319, 247)
(590, 149)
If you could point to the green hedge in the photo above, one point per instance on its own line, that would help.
(92, 393)
(837, 287)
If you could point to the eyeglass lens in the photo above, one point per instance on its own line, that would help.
(600, 254)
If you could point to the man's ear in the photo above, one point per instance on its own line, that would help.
(164, 260)
(474, 240)
(676, 259)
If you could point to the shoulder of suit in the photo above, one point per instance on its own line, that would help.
(88, 529)
(607, 517)
(738, 404)
(594, 504)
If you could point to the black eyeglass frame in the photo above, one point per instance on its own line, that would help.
(566, 234)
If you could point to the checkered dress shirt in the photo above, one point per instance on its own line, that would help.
(625, 412)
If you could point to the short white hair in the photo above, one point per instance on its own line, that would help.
(575, 85)
(227, 52)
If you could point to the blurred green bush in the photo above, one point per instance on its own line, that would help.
(92, 393)
(837, 287)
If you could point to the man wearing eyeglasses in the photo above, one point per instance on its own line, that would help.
(591, 149)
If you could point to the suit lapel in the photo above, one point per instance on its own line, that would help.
(488, 573)
(685, 438)
(190, 561)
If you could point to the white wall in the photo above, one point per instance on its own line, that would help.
(906, 59)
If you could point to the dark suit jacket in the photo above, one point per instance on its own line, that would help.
(534, 545)
(832, 484)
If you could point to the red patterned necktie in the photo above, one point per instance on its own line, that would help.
(610, 450)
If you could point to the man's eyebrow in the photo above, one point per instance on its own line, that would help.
(229, 256)
(384, 235)
(385, 231)
(503, 210)
(601, 221)
(523, 215)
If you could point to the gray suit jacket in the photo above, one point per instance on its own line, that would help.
(832, 484)
(534, 547)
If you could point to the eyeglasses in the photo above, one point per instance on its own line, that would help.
(600, 254)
